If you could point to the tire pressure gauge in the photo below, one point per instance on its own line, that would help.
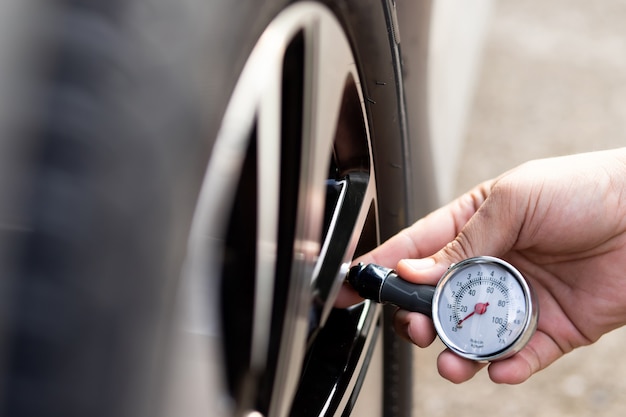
(482, 308)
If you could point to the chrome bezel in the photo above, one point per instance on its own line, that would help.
(530, 318)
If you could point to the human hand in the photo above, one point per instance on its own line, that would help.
(561, 222)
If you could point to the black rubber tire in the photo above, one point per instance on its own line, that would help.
(131, 97)
(370, 25)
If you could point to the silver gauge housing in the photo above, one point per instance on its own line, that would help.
(484, 309)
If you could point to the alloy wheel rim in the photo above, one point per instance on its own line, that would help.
(302, 65)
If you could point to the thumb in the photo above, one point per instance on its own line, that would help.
(492, 230)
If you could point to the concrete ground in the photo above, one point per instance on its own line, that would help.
(553, 82)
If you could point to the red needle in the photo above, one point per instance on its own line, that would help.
(480, 308)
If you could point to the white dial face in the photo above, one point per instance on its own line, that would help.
(481, 309)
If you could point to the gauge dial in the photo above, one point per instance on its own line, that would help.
(483, 309)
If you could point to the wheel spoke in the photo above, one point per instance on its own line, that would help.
(336, 362)
(268, 181)
(321, 104)
(349, 211)
(329, 69)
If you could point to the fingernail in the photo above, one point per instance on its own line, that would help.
(419, 264)
(409, 333)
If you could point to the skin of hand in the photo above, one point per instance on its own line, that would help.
(561, 222)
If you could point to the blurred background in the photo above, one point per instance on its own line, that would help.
(552, 82)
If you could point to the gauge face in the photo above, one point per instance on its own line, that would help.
(483, 309)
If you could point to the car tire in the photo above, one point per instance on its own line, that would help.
(371, 137)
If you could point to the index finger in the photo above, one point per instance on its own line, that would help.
(431, 233)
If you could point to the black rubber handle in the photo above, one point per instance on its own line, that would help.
(383, 285)
(412, 297)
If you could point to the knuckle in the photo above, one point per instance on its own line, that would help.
(459, 249)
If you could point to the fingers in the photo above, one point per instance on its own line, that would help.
(540, 352)
(424, 238)
(485, 221)
(431, 233)
(492, 230)
(421, 271)
(414, 327)
(457, 369)
(537, 355)
(419, 329)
